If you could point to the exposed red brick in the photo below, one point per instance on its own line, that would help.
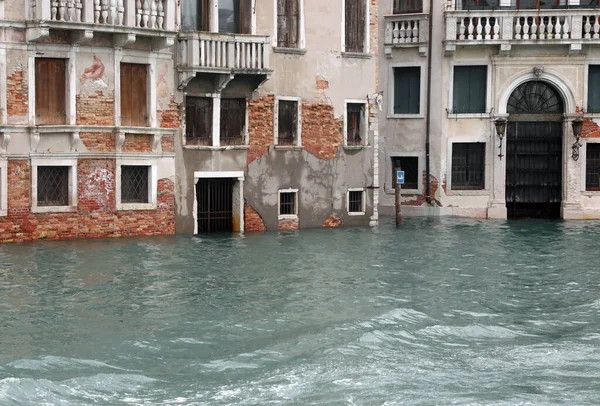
(422, 198)
(332, 222)
(166, 141)
(292, 224)
(137, 143)
(252, 220)
(99, 142)
(260, 126)
(17, 96)
(590, 129)
(170, 118)
(97, 109)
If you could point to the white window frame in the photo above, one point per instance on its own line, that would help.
(422, 88)
(363, 202)
(151, 96)
(3, 187)
(367, 43)
(583, 157)
(488, 93)
(301, 29)
(213, 16)
(365, 123)
(152, 165)
(389, 172)
(72, 201)
(287, 216)
(298, 101)
(487, 167)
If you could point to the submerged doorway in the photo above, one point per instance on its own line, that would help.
(534, 141)
(215, 205)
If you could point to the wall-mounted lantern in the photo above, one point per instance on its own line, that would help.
(500, 124)
(577, 130)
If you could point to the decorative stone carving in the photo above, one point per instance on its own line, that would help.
(538, 71)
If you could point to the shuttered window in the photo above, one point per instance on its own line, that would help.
(287, 122)
(50, 90)
(408, 6)
(288, 17)
(233, 121)
(134, 110)
(410, 166)
(407, 90)
(469, 91)
(592, 167)
(593, 89)
(198, 120)
(235, 16)
(468, 165)
(355, 113)
(355, 19)
(194, 15)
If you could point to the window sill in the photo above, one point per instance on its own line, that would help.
(356, 147)
(591, 193)
(287, 217)
(357, 55)
(291, 51)
(356, 213)
(54, 209)
(289, 147)
(3, 213)
(136, 206)
(467, 192)
(219, 148)
(405, 116)
(469, 115)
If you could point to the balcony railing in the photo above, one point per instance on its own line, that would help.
(405, 31)
(572, 27)
(475, 5)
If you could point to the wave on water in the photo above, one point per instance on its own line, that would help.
(50, 362)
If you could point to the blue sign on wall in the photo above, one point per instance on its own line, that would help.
(400, 177)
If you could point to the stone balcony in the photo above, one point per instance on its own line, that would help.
(225, 55)
(125, 20)
(572, 28)
(406, 31)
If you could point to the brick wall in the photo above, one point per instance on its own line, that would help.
(252, 220)
(166, 141)
(17, 94)
(590, 129)
(99, 142)
(137, 143)
(170, 117)
(97, 109)
(288, 224)
(96, 215)
(260, 126)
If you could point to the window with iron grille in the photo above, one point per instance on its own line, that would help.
(410, 166)
(355, 201)
(287, 122)
(592, 167)
(468, 165)
(408, 6)
(469, 90)
(407, 90)
(355, 113)
(198, 120)
(134, 183)
(355, 20)
(287, 203)
(233, 121)
(53, 185)
(288, 23)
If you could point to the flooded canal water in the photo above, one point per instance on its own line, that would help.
(442, 311)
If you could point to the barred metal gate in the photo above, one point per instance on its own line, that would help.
(215, 204)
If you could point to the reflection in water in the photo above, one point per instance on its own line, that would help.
(440, 311)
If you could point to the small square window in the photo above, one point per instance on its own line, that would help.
(52, 186)
(592, 167)
(407, 90)
(134, 184)
(468, 165)
(469, 89)
(287, 122)
(288, 203)
(410, 166)
(356, 202)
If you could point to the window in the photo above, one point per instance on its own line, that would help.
(233, 121)
(288, 203)
(355, 29)
(408, 6)
(53, 185)
(356, 201)
(288, 123)
(469, 90)
(198, 120)
(468, 166)
(134, 184)
(355, 124)
(288, 23)
(593, 102)
(410, 166)
(50, 91)
(194, 15)
(407, 90)
(592, 167)
(134, 110)
(235, 16)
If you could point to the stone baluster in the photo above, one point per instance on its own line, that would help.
(488, 28)
(70, 10)
(550, 30)
(112, 12)
(401, 32)
(145, 13)
(61, 10)
(525, 28)
(587, 28)
(542, 34)
(160, 17)
(395, 32)
(558, 28)
(78, 11)
(120, 12)
(533, 28)
(596, 28)
(566, 28)
(153, 13)
(518, 28)
(496, 28)
(479, 29)
(471, 29)
(462, 30)
(96, 11)
(54, 11)
(138, 13)
(104, 11)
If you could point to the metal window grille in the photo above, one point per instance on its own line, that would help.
(287, 127)
(287, 203)
(233, 121)
(53, 185)
(410, 166)
(408, 6)
(134, 184)
(355, 201)
(355, 113)
(468, 166)
(592, 167)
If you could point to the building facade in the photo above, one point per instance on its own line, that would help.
(87, 118)
(510, 127)
(279, 115)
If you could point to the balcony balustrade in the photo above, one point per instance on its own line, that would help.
(406, 31)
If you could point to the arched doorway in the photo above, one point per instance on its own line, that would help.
(534, 151)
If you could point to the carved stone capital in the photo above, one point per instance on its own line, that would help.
(119, 141)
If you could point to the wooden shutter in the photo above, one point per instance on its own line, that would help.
(355, 25)
(50, 90)
(407, 90)
(198, 120)
(469, 89)
(287, 23)
(233, 121)
(593, 89)
(287, 122)
(134, 110)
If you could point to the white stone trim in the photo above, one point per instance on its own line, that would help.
(487, 166)
(3, 86)
(3, 187)
(72, 164)
(298, 101)
(225, 174)
(365, 121)
(366, 45)
(152, 165)
(151, 98)
(422, 89)
(388, 173)
(287, 216)
(363, 202)
(301, 28)
(488, 89)
(583, 166)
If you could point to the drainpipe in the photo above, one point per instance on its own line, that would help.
(428, 107)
